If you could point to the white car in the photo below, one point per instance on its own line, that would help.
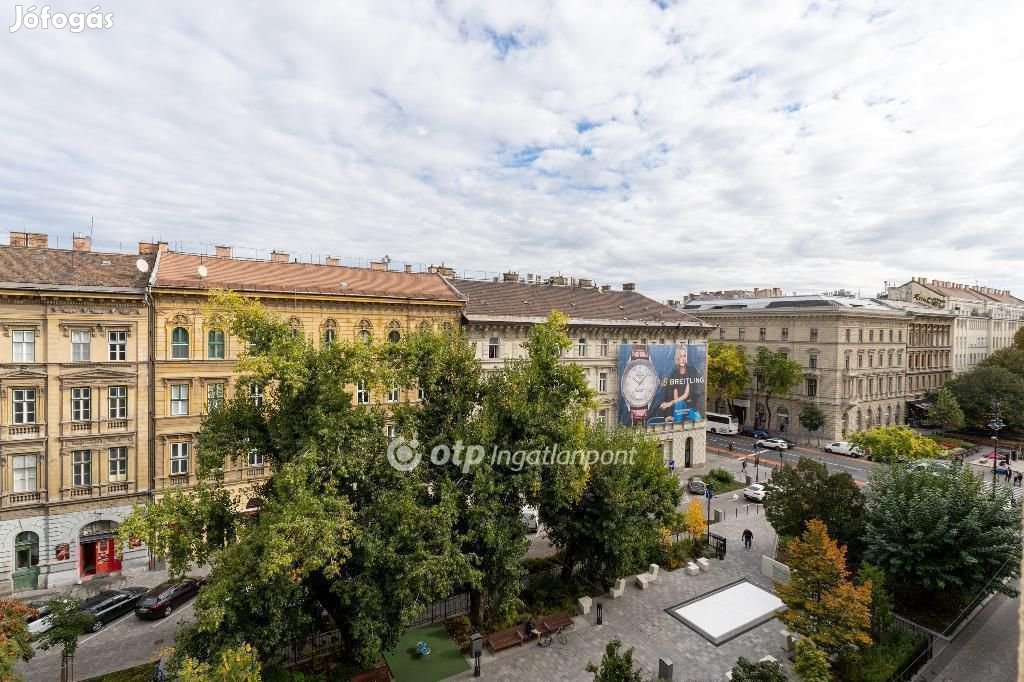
(40, 622)
(754, 491)
(531, 519)
(842, 447)
(773, 444)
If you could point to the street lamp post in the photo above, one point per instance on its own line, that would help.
(757, 465)
(996, 423)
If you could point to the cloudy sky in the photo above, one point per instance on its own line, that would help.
(680, 145)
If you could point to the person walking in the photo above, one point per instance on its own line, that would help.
(748, 538)
(1009, 472)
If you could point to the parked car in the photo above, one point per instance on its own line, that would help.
(935, 466)
(772, 443)
(696, 486)
(39, 622)
(754, 491)
(112, 604)
(753, 433)
(842, 447)
(161, 601)
(531, 519)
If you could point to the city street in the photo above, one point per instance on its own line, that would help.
(859, 468)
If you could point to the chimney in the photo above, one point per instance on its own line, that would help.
(147, 248)
(82, 242)
(586, 283)
(606, 287)
(510, 276)
(442, 270)
(162, 247)
(629, 286)
(38, 240)
(379, 266)
(331, 260)
(278, 256)
(559, 280)
(223, 251)
(18, 238)
(408, 268)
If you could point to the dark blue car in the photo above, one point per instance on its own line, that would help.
(753, 432)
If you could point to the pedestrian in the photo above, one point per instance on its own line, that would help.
(1009, 471)
(748, 538)
(731, 448)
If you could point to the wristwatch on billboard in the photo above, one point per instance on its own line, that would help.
(639, 384)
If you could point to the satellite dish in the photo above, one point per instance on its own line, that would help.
(203, 272)
(141, 265)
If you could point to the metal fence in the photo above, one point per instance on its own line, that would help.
(924, 654)
(455, 605)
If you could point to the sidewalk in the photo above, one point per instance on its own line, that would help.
(109, 581)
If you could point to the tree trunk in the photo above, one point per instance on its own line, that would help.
(768, 412)
(476, 606)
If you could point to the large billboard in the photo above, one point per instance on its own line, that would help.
(662, 383)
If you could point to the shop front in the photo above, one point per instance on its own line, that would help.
(97, 549)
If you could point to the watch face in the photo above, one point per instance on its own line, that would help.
(639, 383)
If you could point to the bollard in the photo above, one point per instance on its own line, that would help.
(600, 613)
(477, 646)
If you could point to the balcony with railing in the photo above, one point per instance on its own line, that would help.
(22, 431)
(10, 498)
(91, 427)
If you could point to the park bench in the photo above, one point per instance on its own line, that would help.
(555, 622)
(503, 639)
(378, 674)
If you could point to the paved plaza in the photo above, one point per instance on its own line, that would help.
(639, 620)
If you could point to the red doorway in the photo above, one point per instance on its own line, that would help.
(99, 557)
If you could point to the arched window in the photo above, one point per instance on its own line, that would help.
(26, 550)
(363, 331)
(215, 344)
(424, 326)
(179, 344)
(330, 333)
(394, 336)
(688, 452)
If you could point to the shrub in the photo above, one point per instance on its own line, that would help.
(882, 661)
(459, 629)
(719, 477)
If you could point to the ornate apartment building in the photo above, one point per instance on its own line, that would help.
(985, 319)
(74, 426)
(929, 352)
(853, 352)
(498, 316)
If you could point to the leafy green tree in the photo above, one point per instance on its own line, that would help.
(15, 641)
(1011, 359)
(939, 531)
(946, 412)
(238, 664)
(746, 670)
(1018, 339)
(617, 520)
(776, 374)
(811, 663)
(976, 389)
(812, 418)
(67, 622)
(823, 604)
(881, 600)
(728, 375)
(798, 494)
(896, 444)
(617, 666)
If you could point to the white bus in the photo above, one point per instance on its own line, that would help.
(721, 423)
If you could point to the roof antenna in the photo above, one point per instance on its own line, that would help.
(92, 223)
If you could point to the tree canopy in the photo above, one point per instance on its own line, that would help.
(616, 665)
(976, 390)
(945, 412)
(1011, 359)
(746, 670)
(812, 418)
(811, 664)
(823, 604)
(798, 494)
(15, 642)
(1018, 339)
(776, 374)
(941, 531)
(896, 444)
(728, 375)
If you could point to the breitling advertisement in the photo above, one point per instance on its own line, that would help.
(662, 383)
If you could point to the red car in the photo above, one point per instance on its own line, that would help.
(161, 601)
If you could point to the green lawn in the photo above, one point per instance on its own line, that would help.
(443, 661)
(140, 673)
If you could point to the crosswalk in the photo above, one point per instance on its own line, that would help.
(1017, 492)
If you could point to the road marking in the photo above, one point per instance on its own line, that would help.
(170, 618)
(769, 460)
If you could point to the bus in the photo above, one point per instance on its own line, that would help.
(721, 423)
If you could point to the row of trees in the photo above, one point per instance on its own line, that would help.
(345, 537)
(774, 374)
(999, 377)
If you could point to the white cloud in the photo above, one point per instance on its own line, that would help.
(804, 145)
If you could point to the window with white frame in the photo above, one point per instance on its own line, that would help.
(330, 335)
(812, 361)
(81, 468)
(812, 387)
(493, 348)
(80, 342)
(581, 348)
(214, 396)
(421, 394)
(814, 334)
(604, 348)
(117, 402)
(117, 346)
(117, 464)
(389, 429)
(23, 401)
(179, 344)
(24, 345)
(179, 458)
(81, 404)
(25, 473)
(255, 458)
(721, 333)
(602, 382)
(179, 400)
(602, 417)
(256, 395)
(393, 394)
(362, 394)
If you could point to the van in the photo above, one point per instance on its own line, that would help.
(842, 447)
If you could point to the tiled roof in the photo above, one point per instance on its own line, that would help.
(954, 292)
(29, 267)
(512, 301)
(180, 271)
(811, 301)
